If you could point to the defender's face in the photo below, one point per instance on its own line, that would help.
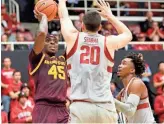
(51, 45)
(125, 68)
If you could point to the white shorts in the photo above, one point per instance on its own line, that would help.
(85, 112)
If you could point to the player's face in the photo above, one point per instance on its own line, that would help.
(51, 45)
(17, 76)
(125, 68)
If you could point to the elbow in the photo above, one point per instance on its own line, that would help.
(129, 36)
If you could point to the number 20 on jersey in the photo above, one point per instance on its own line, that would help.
(91, 55)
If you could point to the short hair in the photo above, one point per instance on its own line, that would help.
(15, 71)
(138, 62)
(92, 21)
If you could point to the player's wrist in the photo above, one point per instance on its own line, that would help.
(111, 17)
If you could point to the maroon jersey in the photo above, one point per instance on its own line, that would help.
(50, 76)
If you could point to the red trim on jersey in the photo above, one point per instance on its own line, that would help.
(69, 66)
(142, 106)
(73, 50)
(109, 69)
(143, 98)
(107, 54)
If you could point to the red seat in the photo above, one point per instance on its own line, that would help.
(131, 6)
(154, 6)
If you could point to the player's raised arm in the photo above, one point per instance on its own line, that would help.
(124, 37)
(42, 32)
(68, 30)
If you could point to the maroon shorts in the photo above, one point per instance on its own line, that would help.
(44, 113)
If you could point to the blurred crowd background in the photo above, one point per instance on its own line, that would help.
(18, 34)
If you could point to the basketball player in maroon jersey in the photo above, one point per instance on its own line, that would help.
(49, 72)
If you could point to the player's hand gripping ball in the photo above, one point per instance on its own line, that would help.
(48, 7)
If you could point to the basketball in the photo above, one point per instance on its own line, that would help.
(48, 7)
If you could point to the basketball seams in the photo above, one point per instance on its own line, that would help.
(46, 7)
(40, 2)
(52, 12)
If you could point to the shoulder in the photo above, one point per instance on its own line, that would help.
(137, 86)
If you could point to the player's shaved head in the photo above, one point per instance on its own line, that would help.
(92, 21)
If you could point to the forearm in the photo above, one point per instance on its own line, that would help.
(13, 95)
(40, 38)
(128, 108)
(119, 26)
(152, 35)
(160, 34)
(43, 25)
(63, 11)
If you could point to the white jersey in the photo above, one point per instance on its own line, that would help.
(143, 113)
(90, 69)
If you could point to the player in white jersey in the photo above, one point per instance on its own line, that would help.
(134, 97)
(90, 61)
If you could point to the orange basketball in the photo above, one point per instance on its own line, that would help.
(48, 7)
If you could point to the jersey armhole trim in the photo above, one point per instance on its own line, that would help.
(107, 54)
(73, 50)
(144, 98)
(36, 68)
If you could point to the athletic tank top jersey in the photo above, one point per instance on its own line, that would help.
(90, 69)
(143, 113)
(50, 76)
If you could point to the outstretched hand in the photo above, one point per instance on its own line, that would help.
(105, 9)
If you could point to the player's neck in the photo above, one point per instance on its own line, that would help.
(89, 32)
(49, 55)
(126, 80)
